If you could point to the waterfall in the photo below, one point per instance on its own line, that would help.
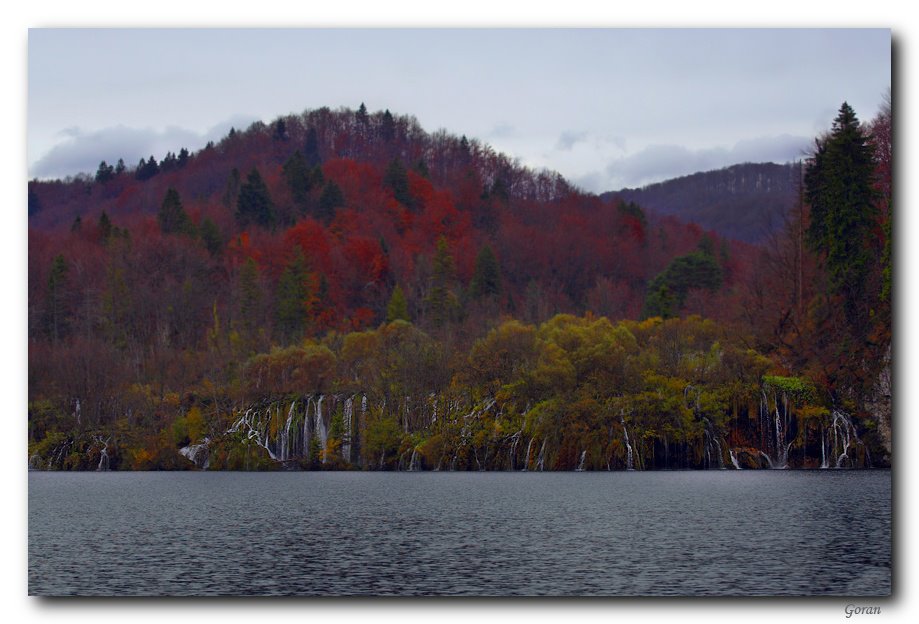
(412, 463)
(198, 454)
(284, 441)
(513, 452)
(734, 459)
(845, 437)
(35, 462)
(347, 414)
(712, 439)
(779, 447)
(321, 428)
(526, 464)
(628, 446)
(103, 457)
(580, 467)
(823, 464)
(541, 459)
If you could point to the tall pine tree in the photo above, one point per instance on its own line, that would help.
(839, 187)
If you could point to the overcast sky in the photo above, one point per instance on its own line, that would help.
(606, 108)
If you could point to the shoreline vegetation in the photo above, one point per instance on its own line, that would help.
(343, 290)
(574, 393)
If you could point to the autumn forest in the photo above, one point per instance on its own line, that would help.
(342, 289)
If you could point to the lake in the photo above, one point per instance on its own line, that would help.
(693, 533)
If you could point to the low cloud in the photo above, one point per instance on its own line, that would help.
(661, 162)
(569, 139)
(81, 151)
(502, 131)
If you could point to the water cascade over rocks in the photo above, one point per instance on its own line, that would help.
(445, 432)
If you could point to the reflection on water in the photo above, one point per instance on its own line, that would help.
(613, 534)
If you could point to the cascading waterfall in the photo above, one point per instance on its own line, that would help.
(103, 457)
(580, 467)
(628, 446)
(541, 458)
(413, 462)
(711, 440)
(780, 448)
(734, 459)
(321, 428)
(845, 438)
(284, 453)
(526, 463)
(513, 452)
(198, 454)
(347, 413)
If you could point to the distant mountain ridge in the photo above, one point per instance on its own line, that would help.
(745, 201)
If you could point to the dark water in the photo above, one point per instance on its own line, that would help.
(612, 534)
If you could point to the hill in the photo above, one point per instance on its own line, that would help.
(746, 202)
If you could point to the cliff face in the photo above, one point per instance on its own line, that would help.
(880, 404)
(746, 202)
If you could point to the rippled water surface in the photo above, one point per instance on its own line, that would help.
(613, 534)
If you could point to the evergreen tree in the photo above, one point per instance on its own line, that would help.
(361, 115)
(119, 167)
(331, 198)
(421, 168)
(250, 301)
(442, 304)
(172, 216)
(253, 206)
(183, 158)
(486, 280)
(299, 179)
(104, 173)
(667, 292)
(397, 309)
(311, 148)
(396, 179)
(280, 131)
(231, 192)
(388, 127)
(146, 169)
(839, 181)
(105, 227)
(291, 300)
(211, 237)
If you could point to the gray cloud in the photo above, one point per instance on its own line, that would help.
(660, 162)
(502, 131)
(81, 151)
(568, 139)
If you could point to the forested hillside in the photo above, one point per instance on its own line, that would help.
(746, 202)
(344, 289)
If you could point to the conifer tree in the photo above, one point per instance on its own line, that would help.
(211, 237)
(250, 300)
(397, 309)
(172, 216)
(441, 301)
(396, 179)
(291, 300)
(839, 181)
(486, 280)
(299, 179)
(331, 198)
(105, 227)
(254, 206)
